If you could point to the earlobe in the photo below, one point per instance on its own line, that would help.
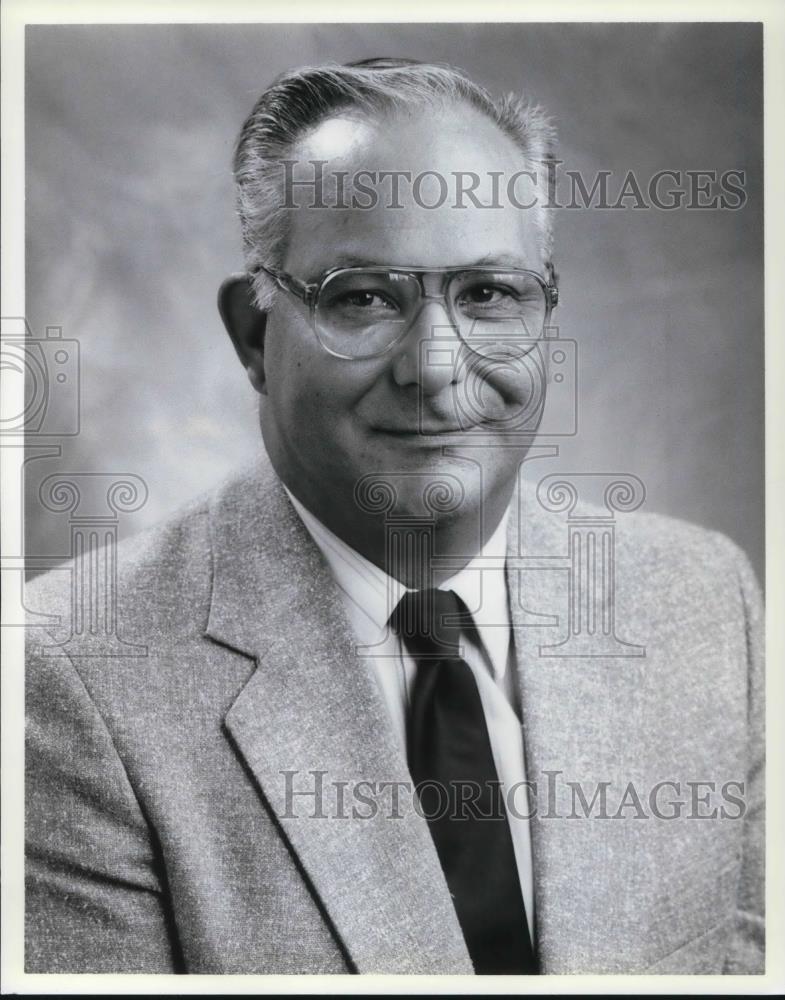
(246, 325)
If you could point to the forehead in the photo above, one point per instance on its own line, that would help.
(415, 168)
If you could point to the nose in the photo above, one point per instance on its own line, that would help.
(428, 355)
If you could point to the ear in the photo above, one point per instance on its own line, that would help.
(245, 324)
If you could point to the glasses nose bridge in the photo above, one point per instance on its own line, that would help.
(432, 296)
(433, 277)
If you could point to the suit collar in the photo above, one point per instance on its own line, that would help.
(311, 706)
(370, 595)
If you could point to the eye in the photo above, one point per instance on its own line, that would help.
(486, 294)
(363, 300)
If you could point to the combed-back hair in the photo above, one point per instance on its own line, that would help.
(300, 99)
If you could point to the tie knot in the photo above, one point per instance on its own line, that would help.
(429, 622)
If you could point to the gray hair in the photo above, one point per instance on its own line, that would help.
(300, 99)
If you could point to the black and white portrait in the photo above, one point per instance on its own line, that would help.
(391, 462)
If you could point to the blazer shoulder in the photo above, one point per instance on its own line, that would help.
(159, 576)
(644, 540)
(656, 536)
(148, 546)
(161, 580)
(683, 566)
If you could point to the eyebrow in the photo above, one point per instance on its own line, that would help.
(502, 260)
(340, 260)
(487, 260)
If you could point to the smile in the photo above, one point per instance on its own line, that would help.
(419, 432)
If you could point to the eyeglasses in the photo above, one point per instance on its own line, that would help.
(363, 312)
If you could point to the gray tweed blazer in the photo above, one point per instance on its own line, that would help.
(163, 836)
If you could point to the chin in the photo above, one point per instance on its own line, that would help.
(436, 487)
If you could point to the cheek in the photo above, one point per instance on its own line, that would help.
(526, 378)
(507, 380)
(306, 384)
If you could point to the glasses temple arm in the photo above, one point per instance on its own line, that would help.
(289, 283)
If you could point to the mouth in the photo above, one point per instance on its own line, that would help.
(428, 432)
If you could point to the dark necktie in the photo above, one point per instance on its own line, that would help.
(449, 750)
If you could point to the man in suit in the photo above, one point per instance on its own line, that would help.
(361, 731)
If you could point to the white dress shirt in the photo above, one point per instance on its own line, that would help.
(370, 596)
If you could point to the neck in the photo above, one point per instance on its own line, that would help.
(418, 551)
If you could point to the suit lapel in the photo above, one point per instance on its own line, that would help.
(579, 714)
(313, 706)
(311, 716)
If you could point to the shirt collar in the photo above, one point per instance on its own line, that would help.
(371, 595)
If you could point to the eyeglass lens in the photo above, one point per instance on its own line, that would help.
(361, 313)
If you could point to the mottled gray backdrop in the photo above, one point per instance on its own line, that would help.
(131, 227)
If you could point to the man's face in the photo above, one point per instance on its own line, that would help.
(327, 422)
